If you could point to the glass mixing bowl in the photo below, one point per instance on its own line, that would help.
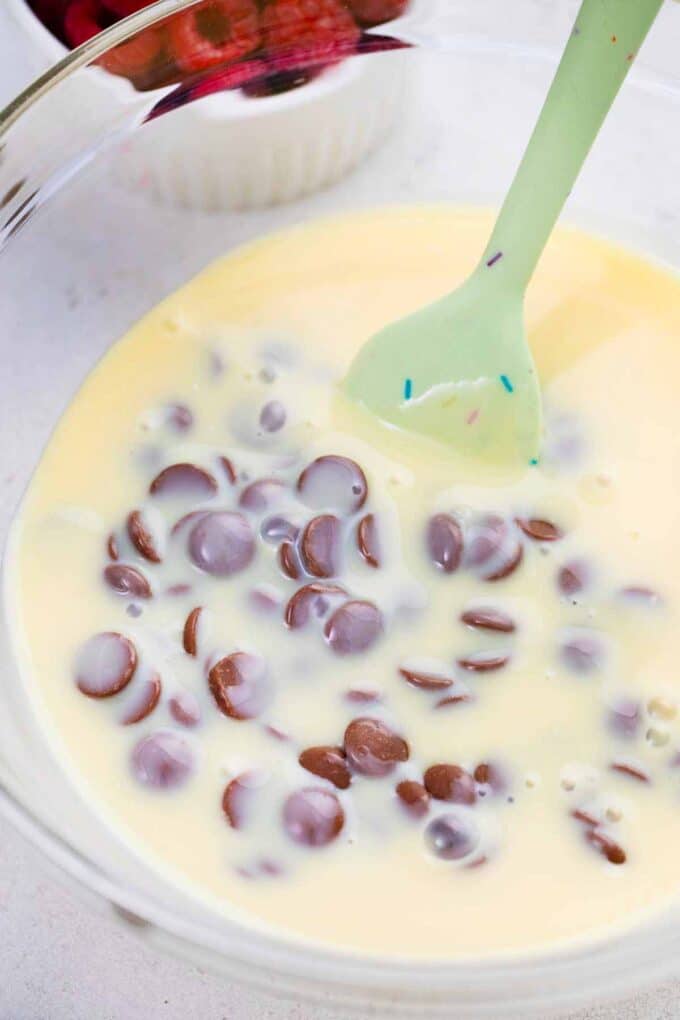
(83, 257)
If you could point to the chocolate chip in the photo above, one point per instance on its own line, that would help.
(509, 566)
(142, 537)
(178, 590)
(354, 628)
(573, 577)
(278, 529)
(163, 760)
(127, 581)
(222, 543)
(492, 550)
(112, 547)
(333, 482)
(179, 417)
(358, 697)
(190, 633)
(186, 481)
(493, 776)
(276, 733)
(268, 867)
(486, 618)
(477, 862)
(264, 600)
(633, 771)
(641, 596)
(313, 817)
(486, 536)
(445, 542)
(606, 846)
(229, 470)
(454, 699)
(143, 701)
(582, 651)
(191, 518)
(262, 494)
(105, 665)
(238, 796)
(482, 773)
(585, 818)
(289, 561)
(321, 607)
(452, 836)
(273, 416)
(184, 709)
(320, 546)
(483, 662)
(239, 683)
(414, 797)
(425, 681)
(329, 763)
(451, 783)
(540, 530)
(372, 748)
(368, 541)
(624, 717)
(300, 605)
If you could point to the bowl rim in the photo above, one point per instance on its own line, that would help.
(600, 960)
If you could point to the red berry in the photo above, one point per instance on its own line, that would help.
(82, 21)
(324, 28)
(217, 32)
(377, 12)
(137, 57)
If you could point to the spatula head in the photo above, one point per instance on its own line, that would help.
(459, 371)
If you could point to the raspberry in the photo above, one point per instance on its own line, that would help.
(376, 12)
(218, 32)
(323, 28)
(137, 58)
(82, 21)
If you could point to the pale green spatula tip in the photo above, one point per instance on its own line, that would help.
(461, 371)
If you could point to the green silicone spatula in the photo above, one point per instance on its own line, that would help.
(461, 370)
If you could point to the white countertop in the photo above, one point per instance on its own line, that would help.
(59, 961)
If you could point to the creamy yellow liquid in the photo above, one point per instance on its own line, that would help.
(605, 330)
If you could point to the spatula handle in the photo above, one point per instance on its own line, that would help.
(602, 47)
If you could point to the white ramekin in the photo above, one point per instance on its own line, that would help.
(227, 151)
